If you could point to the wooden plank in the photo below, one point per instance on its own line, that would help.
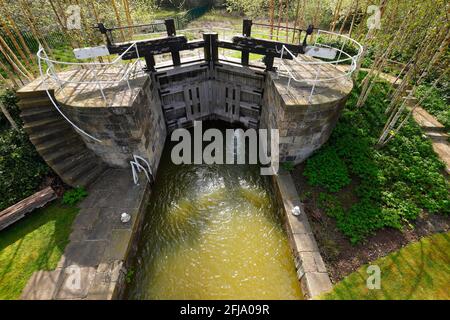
(20, 209)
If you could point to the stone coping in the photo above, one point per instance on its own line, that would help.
(94, 262)
(311, 270)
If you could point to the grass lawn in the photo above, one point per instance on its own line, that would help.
(33, 243)
(421, 270)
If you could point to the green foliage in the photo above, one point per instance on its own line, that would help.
(129, 276)
(288, 166)
(327, 170)
(21, 168)
(73, 196)
(393, 184)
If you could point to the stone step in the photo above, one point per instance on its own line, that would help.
(63, 155)
(67, 141)
(49, 134)
(44, 124)
(35, 102)
(32, 94)
(31, 115)
(75, 174)
(74, 160)
(91, 176)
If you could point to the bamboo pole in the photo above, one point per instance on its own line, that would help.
(32, 23)
(287, 19)
(271, 10)
(126, 7)
(16, 29)
(10, 74)
(297, 10)
(8, 117)
(280, 10)
(14, 61)
(353, 19)
(335, 15)
(26, 59)
(62, 24)
(116, 12)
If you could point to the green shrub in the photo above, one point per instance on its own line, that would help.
(21, 168)
(73, 196)
(327, 170)
(288, 166)
(393, 184)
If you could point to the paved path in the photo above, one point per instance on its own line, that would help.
(92, 266)
(430, 126)
(437, 134)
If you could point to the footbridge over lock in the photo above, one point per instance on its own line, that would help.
(85, 117)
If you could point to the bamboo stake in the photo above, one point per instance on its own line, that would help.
(32, 23)
(271, 9)
(296, 18)
(16, 30)
(335, 15)
(126, 6)
(116, 12)
(14, 61)
(280, 10)
(10, 74)
(26, 59)
(287, 19)
(9, 117)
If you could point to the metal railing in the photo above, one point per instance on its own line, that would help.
(316, 65)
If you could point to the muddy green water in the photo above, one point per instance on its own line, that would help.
(213, 232)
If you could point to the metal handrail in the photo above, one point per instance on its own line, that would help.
(318, 63)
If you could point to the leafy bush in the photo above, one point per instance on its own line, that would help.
(327, 170)
(394, 184)
(288, 166)
(21, 168)
(73, 196)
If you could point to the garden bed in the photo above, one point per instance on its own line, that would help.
(365, 202)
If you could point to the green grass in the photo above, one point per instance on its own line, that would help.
(420, 270)
(34, 243)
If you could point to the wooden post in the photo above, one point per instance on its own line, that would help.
(171, 31)
(150, 62)
(10, 74)
(268, 60)
(246, 32)
(211, 50)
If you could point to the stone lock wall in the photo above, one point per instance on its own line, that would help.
(302, 128)
(137, 129)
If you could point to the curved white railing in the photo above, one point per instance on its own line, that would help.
(317, 64)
